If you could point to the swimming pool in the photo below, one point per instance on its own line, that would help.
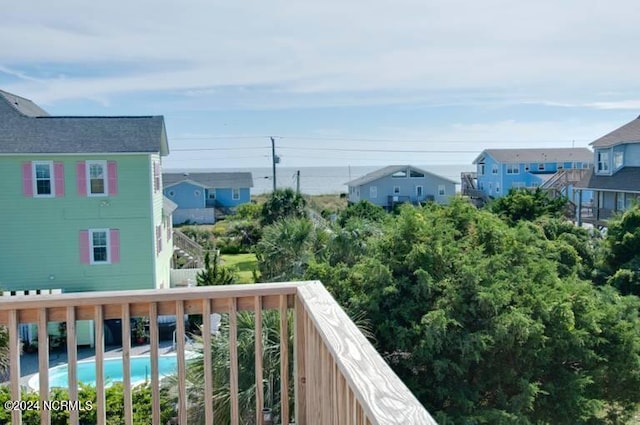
(86, 371)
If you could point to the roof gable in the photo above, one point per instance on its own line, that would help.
(25, 130)
(537, 155)
(219, 180)
(390, 170)
(628, 133)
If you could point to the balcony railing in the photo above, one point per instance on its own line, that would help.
(338, 377)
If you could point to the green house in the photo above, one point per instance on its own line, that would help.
(81, 203)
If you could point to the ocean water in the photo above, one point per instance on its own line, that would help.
(328, 180)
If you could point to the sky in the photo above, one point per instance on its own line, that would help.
(333, 82)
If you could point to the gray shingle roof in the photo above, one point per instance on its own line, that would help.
(538, 155)
(626, 179)
(387, 171)
(234, 180)
(24, 106)
(23, 131)
(628, 133)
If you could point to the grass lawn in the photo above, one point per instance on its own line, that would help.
(244, 263)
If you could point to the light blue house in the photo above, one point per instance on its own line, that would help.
(199, 195)
(614, 179)
(396, 184)
(499, 170)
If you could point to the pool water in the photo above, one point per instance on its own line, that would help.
(86, 371)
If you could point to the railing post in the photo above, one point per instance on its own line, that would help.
(300, 364)
(14, 364)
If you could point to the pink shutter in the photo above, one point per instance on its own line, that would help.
(58, 173)
(27, 179)
(112, 172)
(85, 257)
(158, 239)
(81, 178)
(114, 239)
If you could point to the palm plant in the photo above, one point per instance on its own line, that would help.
(220, 357)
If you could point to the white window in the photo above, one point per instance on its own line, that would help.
(373, 192)
(618, 159)
(43, 182)
(441, 190)
(99, 246)
(620, 204)
(603, 161)
(396, 190)
(419, 191)
(97, 178)
(235, 195)
(481, 169)
(494, 169)
(497, 187)
(513, 168)
(399, 174)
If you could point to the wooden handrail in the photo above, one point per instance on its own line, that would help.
(339, 377)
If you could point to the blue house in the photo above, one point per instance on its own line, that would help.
(401, 183)
(614, 179)
(199, 195)
(499, 170)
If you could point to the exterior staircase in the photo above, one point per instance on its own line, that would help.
(558, 184)
(187, 253)
(468, 188)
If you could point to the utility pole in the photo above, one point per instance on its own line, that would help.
(298, 182)
(274, 160)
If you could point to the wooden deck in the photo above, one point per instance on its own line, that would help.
(339, 378)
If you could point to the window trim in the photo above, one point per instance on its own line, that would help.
(396, 190)
(235, 194)
(618, 155)
(107, 247)
(603, 165)
(513, 168)
(52, 180)
(494, 169)
(419, 191)
(105, 177)
(442, 190)
(373, 192)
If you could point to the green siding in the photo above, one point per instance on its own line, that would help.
(40, 236)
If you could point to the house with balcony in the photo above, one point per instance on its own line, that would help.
(398, 184)
(81, 201)
(614, 180)
(499, 170)
(202, 197)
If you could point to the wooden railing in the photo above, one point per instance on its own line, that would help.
(338, 376)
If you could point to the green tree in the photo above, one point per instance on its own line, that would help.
(283, 203)
(487, 323)
(620, 265)
(364, 210)
(215, 273)
(523, 204)
(286, 248)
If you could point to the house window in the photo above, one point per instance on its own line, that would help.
(541, 166)
(96, 178)
(212, 194)
(494, 169)
(585, 165)
(396, 190)
(43, 178)
(373, 192)
(481, 169)
(559, 166)
(156, 176)
(413, 173)
(620, 204)
(497, 187)
(441, 190)
(235, 194)
(513, 169)
(603, 161)
(618, 159)
(399, 174)
(100, 246)
(171, 193)
(419, 191)
(196, 193)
